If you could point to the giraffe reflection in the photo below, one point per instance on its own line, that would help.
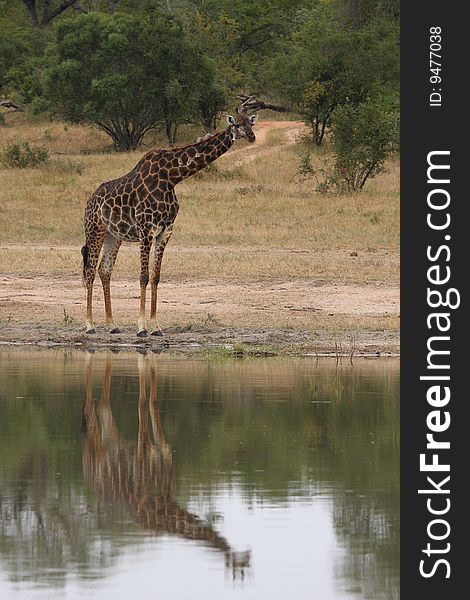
(140, 474)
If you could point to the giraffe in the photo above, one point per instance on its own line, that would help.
(140, 474)
(141, 206)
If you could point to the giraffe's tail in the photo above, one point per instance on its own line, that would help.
(85, 254)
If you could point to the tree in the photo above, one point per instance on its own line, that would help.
(364, 135)
(213, 97)
(42, 15)
(20, 49)
(25, 82)
(239, 36)
(354, 14)
(16, 45)
(328, 67)
(191, 94)
(126, 74)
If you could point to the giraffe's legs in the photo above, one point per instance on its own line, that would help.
(145, 245)
(143, 439)
(109, 431)
(160, 441)
(91, 253)
(160, 244)
(110, 250)
(89, 407)
(93, 444)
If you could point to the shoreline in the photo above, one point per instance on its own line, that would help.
(217, 342)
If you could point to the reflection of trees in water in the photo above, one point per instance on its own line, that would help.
(370, 536)
(47, 528)
(286, 427)
(366, 505)
(344, 438)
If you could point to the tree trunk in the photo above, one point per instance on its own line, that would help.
(319, 130)
(171, 128)
(31, 8)
(127, 135)
(47, 14)
(112, 6)
(367, 173)
(322, 131)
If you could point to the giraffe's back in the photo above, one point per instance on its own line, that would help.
(125, 205)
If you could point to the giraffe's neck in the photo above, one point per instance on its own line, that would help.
(184, 162)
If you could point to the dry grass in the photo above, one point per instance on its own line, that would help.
(58, 138)
(260, 210)
(222, 263)
(275, 137)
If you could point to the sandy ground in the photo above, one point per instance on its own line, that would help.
(310, 316)
(49, 311)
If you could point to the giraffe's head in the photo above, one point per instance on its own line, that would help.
(239, 562)
(242, 125)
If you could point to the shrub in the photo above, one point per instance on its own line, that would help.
(23, 155)
(304, 167)
(363, 138)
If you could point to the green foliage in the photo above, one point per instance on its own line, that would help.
(305, 168)
(18, 45)
(328, 67)
(364, 136)
(213, 96)
(126, 74)
(22, 156)
(26, 83)
(240, 35)
(130, 66)
(357, 13)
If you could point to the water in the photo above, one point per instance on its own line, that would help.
(126, 475)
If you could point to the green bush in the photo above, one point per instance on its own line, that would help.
(305, 168)
(364, 136)
(23, 155)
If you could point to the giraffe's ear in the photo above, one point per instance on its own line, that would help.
(253, 119)
(230, 120)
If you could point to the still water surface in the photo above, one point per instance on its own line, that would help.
(123, 475)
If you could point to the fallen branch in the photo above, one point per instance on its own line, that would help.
(10, 104)
(250, 102)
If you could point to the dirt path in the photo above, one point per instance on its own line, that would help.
(247, 153)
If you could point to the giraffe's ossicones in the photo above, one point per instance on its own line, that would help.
(141, 206)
